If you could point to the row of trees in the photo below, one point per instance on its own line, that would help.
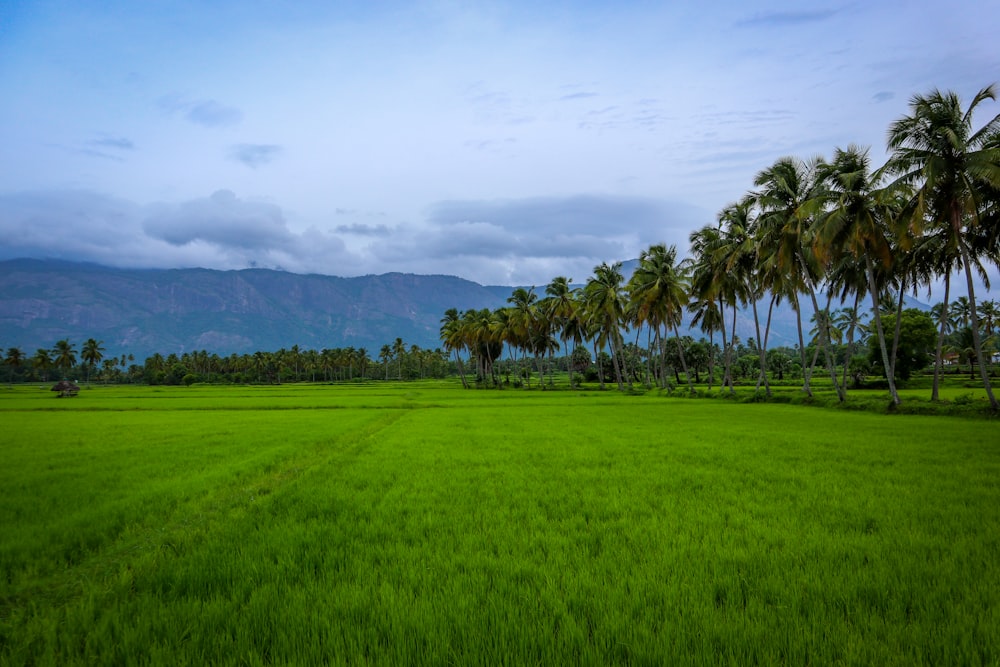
(819, 230)
(61, 359)
(395, 361)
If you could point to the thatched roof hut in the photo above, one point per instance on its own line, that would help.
(66, 388)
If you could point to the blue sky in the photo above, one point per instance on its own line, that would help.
(503, 142)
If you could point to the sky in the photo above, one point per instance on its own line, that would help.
(503, 142)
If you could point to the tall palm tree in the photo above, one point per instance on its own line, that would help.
(42, 362)
(65, 355)
(707, 316)
(522, 324)
(955, 170)
(13, 360)
(398, 350)
(560, 309)
(790, 198)
(742, 254)
(605, 309)
(451, 338)
(710, 282)
(92, 353)
(858, 224)
(657, 292)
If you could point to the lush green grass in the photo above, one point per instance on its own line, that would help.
(422, 524)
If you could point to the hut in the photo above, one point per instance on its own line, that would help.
(66, 388)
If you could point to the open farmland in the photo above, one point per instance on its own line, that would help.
(422, 524)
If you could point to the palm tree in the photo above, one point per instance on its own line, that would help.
(990, 314)
(398, 350)
(522, 322)
(384, 357)
(605, 309)
(657, 293)
(92, 353)
(560, 309)
(791, 198)
(857, 224)
(13, 360)
(706, 314)
(42, 362)
(65, 355)
(954, 169)
(711, 283)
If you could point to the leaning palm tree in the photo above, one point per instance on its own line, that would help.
(789, 196)
(858, 224)
(710, 281)
(955, 170)
(744, 258)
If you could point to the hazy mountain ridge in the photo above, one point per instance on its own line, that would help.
(142, 311)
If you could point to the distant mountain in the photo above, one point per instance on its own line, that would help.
(178, 310)
(142, 311)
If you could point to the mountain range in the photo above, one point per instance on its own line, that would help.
(143, 311)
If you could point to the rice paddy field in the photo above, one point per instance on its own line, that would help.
(420, 524)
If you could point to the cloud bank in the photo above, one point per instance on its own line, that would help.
(523, 241)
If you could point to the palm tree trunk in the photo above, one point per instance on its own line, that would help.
(824, 328)
(616, 359)
(942, 321)
(828, 353)
(806, 373)
(850, 338)
(600, 369)
(898, 327)
(711, 357)
(729, 353)
(761, 345)
(725, 346)
(878, 327)
(461, 369)
(983, 371)
(680, 352)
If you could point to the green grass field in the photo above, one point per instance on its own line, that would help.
(421, 524)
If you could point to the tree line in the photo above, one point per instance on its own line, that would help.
(819, 230)
(395, 361)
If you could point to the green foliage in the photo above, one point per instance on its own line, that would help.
(917, 337)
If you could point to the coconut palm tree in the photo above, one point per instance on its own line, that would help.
(954, 170)
(707, 316)
(13, 360)
(560, 308)
(523, 322)
(657, 292)
(41, 363)
(92, 353)
(858, 224)
(791, 197)
(65, 355)
(605, 309)
(744, 259)
(451, 338)
(711, 282)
